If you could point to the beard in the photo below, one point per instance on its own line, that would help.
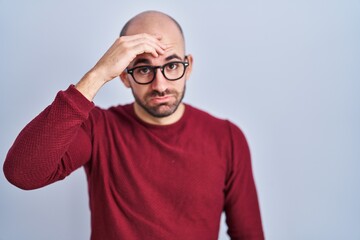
(163, 109)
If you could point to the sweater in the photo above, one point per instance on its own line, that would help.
(144, 181)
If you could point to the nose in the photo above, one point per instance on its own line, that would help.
(160, 83)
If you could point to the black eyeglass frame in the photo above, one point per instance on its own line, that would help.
(154, 68)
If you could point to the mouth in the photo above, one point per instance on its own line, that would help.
(160, 99)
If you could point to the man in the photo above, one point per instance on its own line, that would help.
(156, 168)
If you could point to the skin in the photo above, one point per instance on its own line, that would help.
(151, 39)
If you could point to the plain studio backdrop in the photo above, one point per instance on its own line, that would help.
(286, 72)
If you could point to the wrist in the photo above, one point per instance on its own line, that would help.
(90, 84)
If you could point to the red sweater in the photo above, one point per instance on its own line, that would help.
(145, 181)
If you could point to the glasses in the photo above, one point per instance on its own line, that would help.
(172, 71)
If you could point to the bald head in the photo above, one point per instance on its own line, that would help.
(151, 20)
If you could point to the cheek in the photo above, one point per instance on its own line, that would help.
(181, 85)
(139, 91)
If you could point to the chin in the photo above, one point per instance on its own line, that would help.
(162, 110)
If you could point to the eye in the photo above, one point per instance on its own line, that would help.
(172, 66)
(143, 70)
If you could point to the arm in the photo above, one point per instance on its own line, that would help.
(54, 144)
(241, 202)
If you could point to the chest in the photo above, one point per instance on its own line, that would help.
(140, 164)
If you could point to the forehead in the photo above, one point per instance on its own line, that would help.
(155, 23)
(146, 59)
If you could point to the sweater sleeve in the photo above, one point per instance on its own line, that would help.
(241, 202)
(52, 145)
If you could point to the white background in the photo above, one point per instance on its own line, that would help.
(286, 72)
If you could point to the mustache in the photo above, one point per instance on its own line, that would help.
(156, 93)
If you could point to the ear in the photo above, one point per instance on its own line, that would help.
(124, 78)
(190, 60)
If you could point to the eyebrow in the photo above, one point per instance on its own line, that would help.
(147, 61)
(141, 60)
(171, 57)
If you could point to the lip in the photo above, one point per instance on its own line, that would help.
(159, 100)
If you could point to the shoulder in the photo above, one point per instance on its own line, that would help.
(202, 116)
(119, 109)
(203, 119)
(104, 116)
(207, 120)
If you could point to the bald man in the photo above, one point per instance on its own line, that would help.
(156, 168)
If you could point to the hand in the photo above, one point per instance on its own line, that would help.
(116, 59)
(123, 51)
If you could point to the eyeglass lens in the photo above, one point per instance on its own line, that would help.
(171, 71)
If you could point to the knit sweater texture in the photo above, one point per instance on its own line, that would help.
(145, 181)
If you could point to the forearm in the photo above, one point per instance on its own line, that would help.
(35, 158)
(90, 84)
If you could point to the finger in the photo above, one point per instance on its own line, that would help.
(160, 49)
(138, 38)
(144, 48)
(143, 35)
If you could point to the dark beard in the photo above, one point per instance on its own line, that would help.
(155, 110)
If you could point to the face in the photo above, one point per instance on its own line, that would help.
(160, 98)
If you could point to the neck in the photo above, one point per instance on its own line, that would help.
(146, 117)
